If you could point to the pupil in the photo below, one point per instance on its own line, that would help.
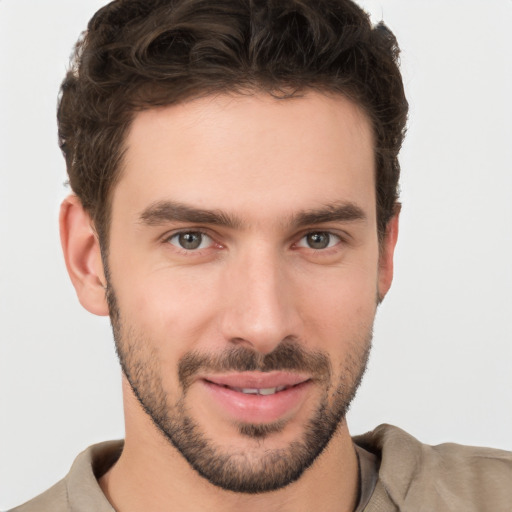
(190, 240)
(318, 240)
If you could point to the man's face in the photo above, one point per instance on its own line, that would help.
(244, 277)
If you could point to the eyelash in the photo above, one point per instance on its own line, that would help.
(196, 252)
(190, 252)
(324, 250)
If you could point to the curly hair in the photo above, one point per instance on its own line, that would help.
(140, 54)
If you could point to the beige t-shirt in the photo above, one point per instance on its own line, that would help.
(368, 476)
(412, 477)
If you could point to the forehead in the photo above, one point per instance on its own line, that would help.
(240, 152)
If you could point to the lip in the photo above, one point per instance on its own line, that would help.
(257, 408)
(257, 379)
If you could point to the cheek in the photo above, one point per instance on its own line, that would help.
(171, 309)
(341, 305)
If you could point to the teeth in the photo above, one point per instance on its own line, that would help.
(260, 391)
(250, 391)
(267, 391)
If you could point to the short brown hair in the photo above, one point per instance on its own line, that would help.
(139, 54)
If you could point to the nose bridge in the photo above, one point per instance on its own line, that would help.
(259, 309)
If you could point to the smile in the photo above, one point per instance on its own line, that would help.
(259, 391)
(255, 397)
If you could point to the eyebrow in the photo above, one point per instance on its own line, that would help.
(334, 212)
(163, 212)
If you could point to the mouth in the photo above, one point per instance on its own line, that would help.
(258, 383)
(260, 391)
(255, 397)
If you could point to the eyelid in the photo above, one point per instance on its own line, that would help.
(178, 231)
(342, 234)
(205, 240)
(166, 239)
(331, 234)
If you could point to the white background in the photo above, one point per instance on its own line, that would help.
(441, 366)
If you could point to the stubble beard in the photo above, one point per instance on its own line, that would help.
(244, 471)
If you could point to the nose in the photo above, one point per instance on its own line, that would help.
(260, 308)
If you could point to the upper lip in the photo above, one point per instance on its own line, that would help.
(257, 380)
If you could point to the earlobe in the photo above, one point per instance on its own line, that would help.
(387, 251)
(82, 254)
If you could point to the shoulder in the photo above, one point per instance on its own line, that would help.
(54, 499)
(449, 476)
(79, 491)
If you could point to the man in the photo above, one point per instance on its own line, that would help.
(234, 169)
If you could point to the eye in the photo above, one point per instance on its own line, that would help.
(319, 240)
(190, 240)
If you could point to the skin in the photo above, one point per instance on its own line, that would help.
(253, 284)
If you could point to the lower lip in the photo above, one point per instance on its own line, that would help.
(249, 408)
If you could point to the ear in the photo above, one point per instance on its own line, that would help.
(82, 254)
(386, 253)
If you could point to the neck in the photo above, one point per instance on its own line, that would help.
(152, 475)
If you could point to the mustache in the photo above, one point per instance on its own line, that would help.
(287, 356)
